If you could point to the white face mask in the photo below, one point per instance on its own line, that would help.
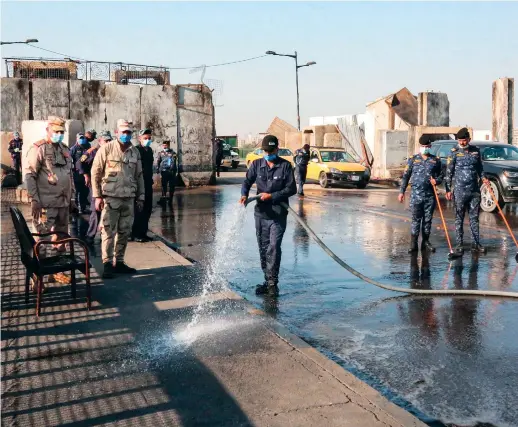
(424, 150)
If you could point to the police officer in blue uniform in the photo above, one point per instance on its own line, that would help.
(423, 170)
(167, 166)
(88, 159)
(275, 183)
(301, 159)
(465, 167)
(76, 152)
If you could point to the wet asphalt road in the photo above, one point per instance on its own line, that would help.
(449, 360)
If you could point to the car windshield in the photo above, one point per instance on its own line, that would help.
(336, 156)
(285, 152)
(499, 153)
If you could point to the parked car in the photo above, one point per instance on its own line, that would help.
(285, 153)
(500, 162)
(230, 158)
(334, 166)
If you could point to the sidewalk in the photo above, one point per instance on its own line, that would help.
(127, 363)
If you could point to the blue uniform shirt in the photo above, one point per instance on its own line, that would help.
(465, 165)
(76, 153)
(277, 181)
(419, 171)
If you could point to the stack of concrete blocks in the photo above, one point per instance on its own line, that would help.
(503, 110)
(293, 140)
(332, 140)
(279, 128)
(315, 135)
(182, 114)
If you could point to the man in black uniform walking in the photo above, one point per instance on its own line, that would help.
(301, 159)
(141, 221)
(15, 148)
(166, 164)
(275, 184)
(218, 154)
(465, 165)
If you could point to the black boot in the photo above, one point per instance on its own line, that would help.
(459, 249)
(273, 289)
(261, 289)
(108, 270)
(413, 245)
(478, 248)
(122, 268)
(426, 245)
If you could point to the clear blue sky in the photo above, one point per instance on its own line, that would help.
(363, 50)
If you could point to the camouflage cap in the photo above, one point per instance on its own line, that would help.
(106, 134)
(92, 131)
(80, 134)
(123, 125)
(56, 123)
(16, 134)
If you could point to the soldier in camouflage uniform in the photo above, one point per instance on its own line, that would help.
(465, 166)
(50, 186)
(117, 182)
(425, 170)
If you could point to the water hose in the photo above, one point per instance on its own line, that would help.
(472, 292)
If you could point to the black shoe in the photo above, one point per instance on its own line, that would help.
(108, 272)
(414, 247)
(273, 290)
(478, 248)
(426, 245)
(261, 289)
(122, 268)
(459, 249)
(143, 239)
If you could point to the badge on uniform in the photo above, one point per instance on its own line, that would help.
(83, 158)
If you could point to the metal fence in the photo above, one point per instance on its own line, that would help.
(68, 69)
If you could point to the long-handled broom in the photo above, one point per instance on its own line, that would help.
(451, 255)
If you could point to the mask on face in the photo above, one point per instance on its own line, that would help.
(82, 141)
(125, 138)
(147, 142)
(425, 150)
(57, 138)
(464, 146)
(270, 157)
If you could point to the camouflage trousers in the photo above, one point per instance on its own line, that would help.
(54, 219)
(466, 202)
(422, 214)
(116, 221)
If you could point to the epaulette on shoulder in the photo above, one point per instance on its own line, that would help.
(453, 150)
(40, 143)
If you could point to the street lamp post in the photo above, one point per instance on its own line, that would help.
(25, 42)
(297, 66)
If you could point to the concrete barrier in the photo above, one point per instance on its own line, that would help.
(50, 98)
(14, 94)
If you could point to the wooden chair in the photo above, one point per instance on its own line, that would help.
(37, 266)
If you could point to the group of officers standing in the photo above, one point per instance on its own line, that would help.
(117, 177)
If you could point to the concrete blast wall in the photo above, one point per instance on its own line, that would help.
(433, 109)
(181, 114)
(503, 110)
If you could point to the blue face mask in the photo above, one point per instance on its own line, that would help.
(125, 138)
(425, 150)
(147, 142)
(57, 138)
(270, 157)
(82, 141)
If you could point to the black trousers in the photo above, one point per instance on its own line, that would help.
(17, 166)
(93, 222)
(81, 191)
(168, 182)
(300, 178)
(141, 221)
(269, 234)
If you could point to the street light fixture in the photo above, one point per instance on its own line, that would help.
(297, 66)
(25, 42)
